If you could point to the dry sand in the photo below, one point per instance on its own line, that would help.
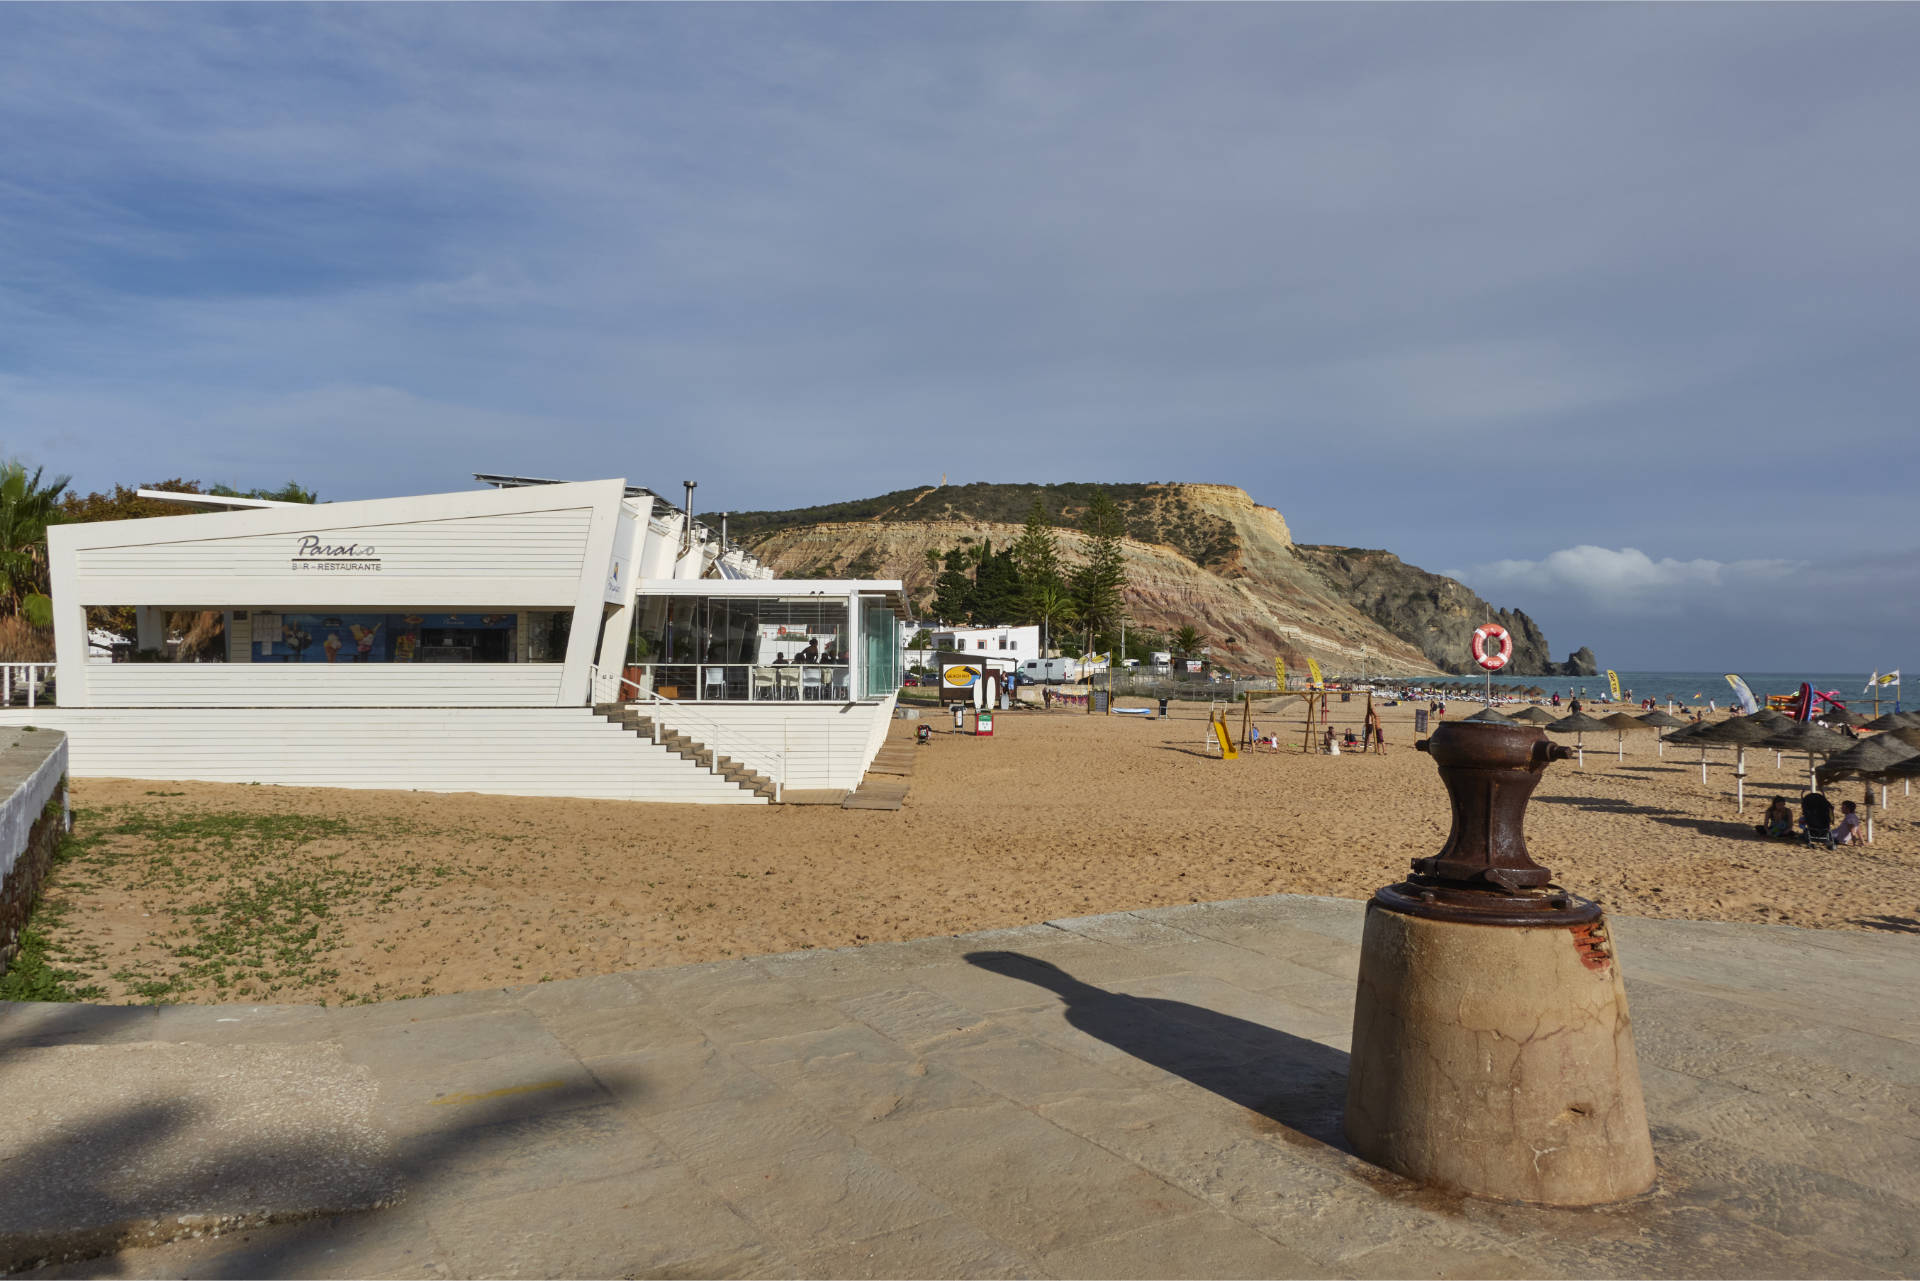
(1059, 814)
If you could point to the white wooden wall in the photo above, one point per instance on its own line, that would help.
(322, 684)
(827, 745)
(546, 544)
(519, 751)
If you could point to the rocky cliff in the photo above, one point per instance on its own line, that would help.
(1205, 555)
(1435, 613)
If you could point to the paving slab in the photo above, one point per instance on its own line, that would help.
(1139, 1094)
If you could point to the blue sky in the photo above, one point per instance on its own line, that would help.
(1609, 310)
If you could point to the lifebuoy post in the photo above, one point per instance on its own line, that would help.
(1492, 649)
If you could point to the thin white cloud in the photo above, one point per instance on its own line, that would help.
(1628, 580)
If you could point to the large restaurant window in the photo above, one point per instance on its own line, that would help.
(741, 648)
(421, 636)
(738, 629)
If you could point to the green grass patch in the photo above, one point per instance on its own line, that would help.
(35, 973)
(246, 905)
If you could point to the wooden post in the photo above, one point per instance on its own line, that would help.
(1246, 718)
(1306, 744)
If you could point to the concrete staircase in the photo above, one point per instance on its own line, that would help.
(688, 748)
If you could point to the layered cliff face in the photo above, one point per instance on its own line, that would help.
(1204, 555)
(1435, 613)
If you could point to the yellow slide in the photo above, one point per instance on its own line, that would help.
(1227, 750)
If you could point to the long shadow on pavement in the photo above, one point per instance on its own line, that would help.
(1300, 1084)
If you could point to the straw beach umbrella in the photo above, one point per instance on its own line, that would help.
(1892, 720)
(1579, 724)
(1867, 760)
(1774, 721)
(1622, 722)
(1659, 720)
(1538, 715)
(1739, 733)
(1491, 717)
(1805, 736)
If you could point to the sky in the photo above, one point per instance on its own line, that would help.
(1609, 311)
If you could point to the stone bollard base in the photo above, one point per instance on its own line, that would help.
(1497, 1061)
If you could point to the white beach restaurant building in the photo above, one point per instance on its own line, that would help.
(539, 639)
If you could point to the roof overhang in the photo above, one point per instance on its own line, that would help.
(890, 589)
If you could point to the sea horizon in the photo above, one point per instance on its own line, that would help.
(1682, 686)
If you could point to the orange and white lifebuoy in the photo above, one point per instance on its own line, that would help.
(1496, 657)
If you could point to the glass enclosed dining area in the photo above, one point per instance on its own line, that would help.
(816, 647)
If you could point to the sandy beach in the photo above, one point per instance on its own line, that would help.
(204, 892)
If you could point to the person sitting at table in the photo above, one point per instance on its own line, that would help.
(811, 654)
(779, 660)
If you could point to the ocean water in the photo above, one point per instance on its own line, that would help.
(1682, 687)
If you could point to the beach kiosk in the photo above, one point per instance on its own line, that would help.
(537, 638)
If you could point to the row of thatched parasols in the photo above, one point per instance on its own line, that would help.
(1891, 755)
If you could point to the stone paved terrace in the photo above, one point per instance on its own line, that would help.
(1154, 1093)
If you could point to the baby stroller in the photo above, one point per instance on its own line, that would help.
(1816, 819)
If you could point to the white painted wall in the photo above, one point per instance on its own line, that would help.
(825, 745)
(321, 684)
(538, 547)
(517, 751)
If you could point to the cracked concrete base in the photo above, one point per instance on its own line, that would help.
(1497, 1061)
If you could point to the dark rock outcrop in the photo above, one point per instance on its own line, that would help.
(1435, 613)
(1579, 663)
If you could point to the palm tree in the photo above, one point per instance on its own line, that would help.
(1186, 639)
(27, 507)
(1051, 602)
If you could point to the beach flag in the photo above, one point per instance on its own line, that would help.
(1613, 684)
(1748, 703)
(1891, 678)
(1280, 672)
(1313, 665)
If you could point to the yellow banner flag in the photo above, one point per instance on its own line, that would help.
(1613, 684)
(1280, 672)
(1313, 666)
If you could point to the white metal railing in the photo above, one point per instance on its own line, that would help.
(34, 677)
(718, 739)
(747, 682)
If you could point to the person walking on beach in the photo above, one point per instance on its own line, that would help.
(1573, 708)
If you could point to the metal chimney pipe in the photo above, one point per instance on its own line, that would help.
(687, 533)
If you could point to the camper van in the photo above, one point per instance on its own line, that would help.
(1049, 671)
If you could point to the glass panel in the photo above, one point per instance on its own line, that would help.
(879, 648)
(737, 630)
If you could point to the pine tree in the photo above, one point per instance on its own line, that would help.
(1037, 553)
(1099, 586)
(953, 591)
(997, 594)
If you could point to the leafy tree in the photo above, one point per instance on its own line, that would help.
(27, 507)
(953, 590)
(291, 492)
(1051, 603)
(922, 639)
(1099, 586)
